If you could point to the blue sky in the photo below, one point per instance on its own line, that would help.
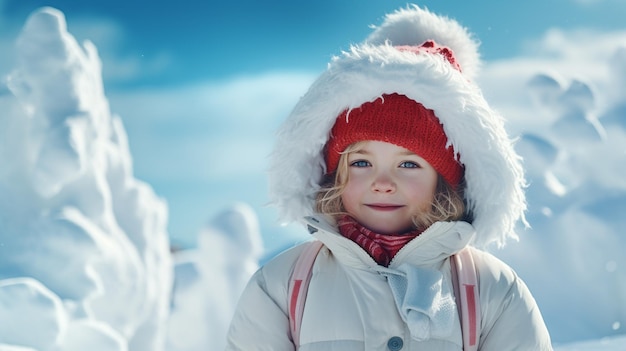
(177, 42)
(201, 85)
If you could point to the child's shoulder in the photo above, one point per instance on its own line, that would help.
(289, 255)
(281, 266)
(498, 283)
(507, 307)
(491, 269)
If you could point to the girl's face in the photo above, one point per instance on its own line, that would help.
(387, 185)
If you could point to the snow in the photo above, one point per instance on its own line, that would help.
(83, 244)
(577, 198)
(199, 308)
(608, 344)
(85, 261)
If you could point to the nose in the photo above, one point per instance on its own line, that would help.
(383, 184)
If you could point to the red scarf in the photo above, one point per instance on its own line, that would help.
(382, 247)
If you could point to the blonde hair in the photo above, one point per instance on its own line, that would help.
(447, 205)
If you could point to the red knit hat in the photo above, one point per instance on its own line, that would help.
(398, 120)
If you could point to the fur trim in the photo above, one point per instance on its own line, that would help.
(413, 26)
(493, 171)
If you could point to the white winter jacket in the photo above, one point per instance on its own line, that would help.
(350, 304)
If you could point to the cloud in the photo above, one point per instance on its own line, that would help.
(575, 45)
(121, 61)
(211, 131)
(585, 55)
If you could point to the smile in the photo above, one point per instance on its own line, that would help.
(384, 207)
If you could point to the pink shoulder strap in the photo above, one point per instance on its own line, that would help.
(465, 283)
(464, 279)
(299, 285)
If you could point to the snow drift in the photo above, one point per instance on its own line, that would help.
(84, 251)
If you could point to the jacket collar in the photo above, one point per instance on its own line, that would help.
(431, 248)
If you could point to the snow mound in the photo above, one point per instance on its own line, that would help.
(83, 244)
(210, 279)
(577, 198)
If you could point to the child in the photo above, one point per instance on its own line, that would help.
(396, 163)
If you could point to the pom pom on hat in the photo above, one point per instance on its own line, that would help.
(413, 25)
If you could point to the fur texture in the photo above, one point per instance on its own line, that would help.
(413, 26)
(493, 171)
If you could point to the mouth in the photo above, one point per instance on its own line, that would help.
(384, 207)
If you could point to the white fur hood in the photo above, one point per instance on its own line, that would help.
(493, 172)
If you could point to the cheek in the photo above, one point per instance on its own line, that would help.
(428, 188)
(351, 194)
(347, 197)
(422, 191)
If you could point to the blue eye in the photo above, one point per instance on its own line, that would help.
(360, 163)
(409, 164)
